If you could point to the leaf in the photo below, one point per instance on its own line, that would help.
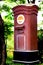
(42, 14)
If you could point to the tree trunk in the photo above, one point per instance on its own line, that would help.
(2, 43)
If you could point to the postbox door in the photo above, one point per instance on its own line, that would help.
(20, 42)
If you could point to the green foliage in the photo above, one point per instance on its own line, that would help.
(5, 8)
(42, 14)
(42, 2)
(40, 34)
(8, 18)
(7, 30)
(41, 6)
(10, 0)
(20, 1)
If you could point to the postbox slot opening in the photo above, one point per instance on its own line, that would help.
(20, 31)
(19, 27)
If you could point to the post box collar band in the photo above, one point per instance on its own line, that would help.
(26, 50)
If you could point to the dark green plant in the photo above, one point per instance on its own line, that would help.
(21, 1)
(40, 34)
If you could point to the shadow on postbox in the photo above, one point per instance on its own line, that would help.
(25, 34)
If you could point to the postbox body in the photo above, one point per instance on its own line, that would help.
(25, 34)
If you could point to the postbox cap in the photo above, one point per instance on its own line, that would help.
(25, 7)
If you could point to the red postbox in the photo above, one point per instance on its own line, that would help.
(25, 34)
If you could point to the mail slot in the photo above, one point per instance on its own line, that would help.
(25, 34)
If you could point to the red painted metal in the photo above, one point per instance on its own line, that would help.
(25, 35)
